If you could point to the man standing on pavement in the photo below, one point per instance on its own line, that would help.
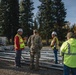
(55, 45)
(35, 44)
(19, 46)
(68, 51)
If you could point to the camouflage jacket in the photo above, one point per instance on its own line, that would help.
(35, 42)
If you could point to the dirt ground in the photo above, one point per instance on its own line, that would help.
(8, 68)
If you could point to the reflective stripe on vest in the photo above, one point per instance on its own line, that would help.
(69, 53)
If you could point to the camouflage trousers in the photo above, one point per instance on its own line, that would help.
(34, 59)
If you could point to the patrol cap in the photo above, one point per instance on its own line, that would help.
(70, 35)
(54, 33)
(35, 31)
(20, 30)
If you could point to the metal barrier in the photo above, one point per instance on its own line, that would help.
(45, 60)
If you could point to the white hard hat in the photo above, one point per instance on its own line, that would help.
(54, 33)
(20, 30)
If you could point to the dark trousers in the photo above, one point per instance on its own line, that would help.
(55, 55)
(18, 57)
(68, 69)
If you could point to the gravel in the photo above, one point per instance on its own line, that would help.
(8, 68)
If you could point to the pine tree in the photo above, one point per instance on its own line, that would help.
(60, 15)
(1, 19)
(10, 20)
(52, 15)
(14, 16)
(4, 16)
(46, 17)
(26, 16)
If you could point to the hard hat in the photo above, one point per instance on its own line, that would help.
(20, 30)
(54, 33)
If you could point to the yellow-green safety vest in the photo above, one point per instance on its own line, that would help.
(21, 42)
(56, 44)
(68, 51)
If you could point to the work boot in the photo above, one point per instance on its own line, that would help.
(36, 67)
(31, 67)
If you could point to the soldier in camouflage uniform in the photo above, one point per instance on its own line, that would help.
(35, 44)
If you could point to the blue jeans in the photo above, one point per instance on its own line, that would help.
(68, 69)
(55, 55)
(18, 57)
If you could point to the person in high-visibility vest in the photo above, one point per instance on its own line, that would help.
(19, 46)
(55, 45)
(68, 51)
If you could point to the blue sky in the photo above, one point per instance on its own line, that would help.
(70, 5)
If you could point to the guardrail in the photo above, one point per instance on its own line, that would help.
(46, 59)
